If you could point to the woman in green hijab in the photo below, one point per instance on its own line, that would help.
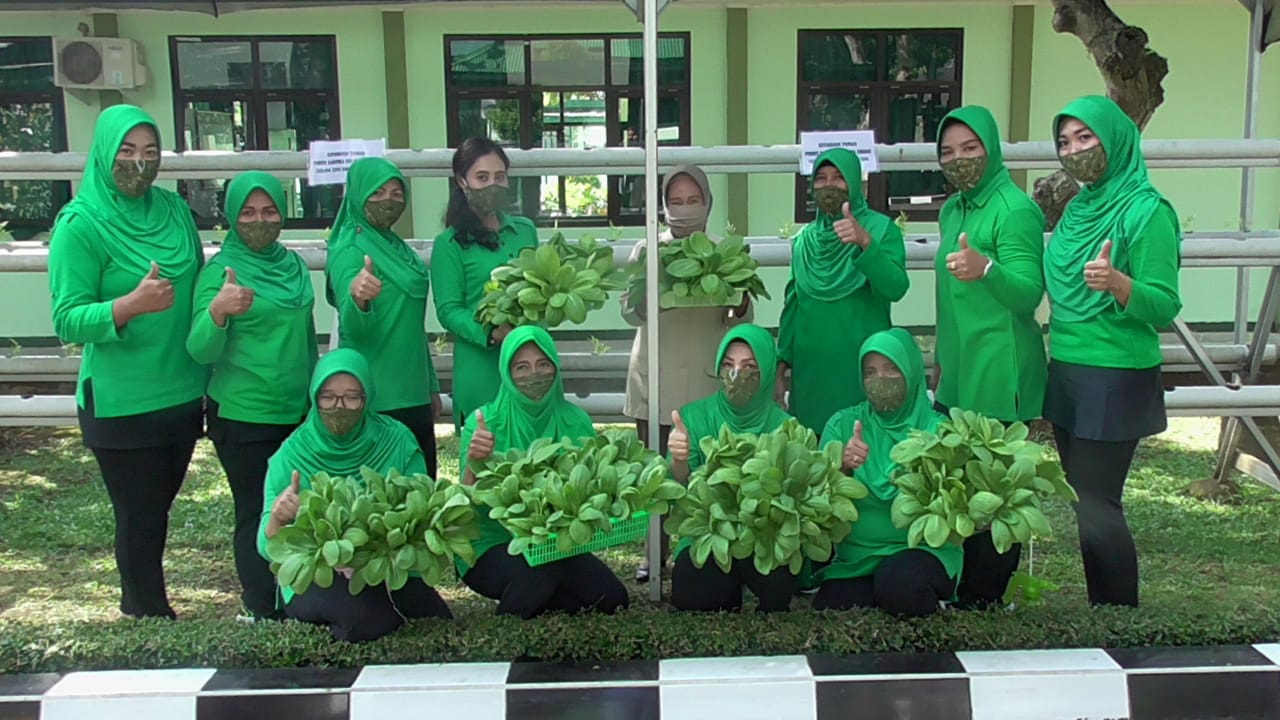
(123, 261)
(747, 362)
(341, 435)
(1111, 269)
(379, 286)
(990, 351)
(873, 566)
(530, 404)
(847, 267)
(253, 326)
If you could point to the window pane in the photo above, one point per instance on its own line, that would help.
(496, 119)
(30, 127)
(574, 120)
(292, 125)
(929, 56)
(914, 117)
(568, 62)
(297, 65)
(216, 125)
(486, 63)
(630, 188)
(220, 65)
(26, 65)
(839, 111)
(837, 57)
(627, 59)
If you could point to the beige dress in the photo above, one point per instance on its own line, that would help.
(689, 339)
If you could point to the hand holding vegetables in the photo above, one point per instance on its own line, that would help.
(855, 451)
(285, 508)
(481, 440)
(851, 231)
(366, 286)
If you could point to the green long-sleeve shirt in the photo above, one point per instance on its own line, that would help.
(136, 369)
(261, 361)
(820, 340)
(391, 334)
(460, 275)
(1129, 337)
(990, 347)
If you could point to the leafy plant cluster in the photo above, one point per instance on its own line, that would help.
(555, 282)
(970, 474)
(380, 528)
(774, 497)
(697, 272)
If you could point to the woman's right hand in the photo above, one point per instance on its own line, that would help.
(855, 451)
(365, 286)
(154, 294)
(481, 447)
(285, 508)
(678, 440)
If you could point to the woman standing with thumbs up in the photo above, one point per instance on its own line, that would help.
(253, 326)
(1111, 269)
(379, 286)
(122, 266)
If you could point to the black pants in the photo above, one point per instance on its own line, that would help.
(908, 584)
(1097, 470)
(371, 614)
(710, 589)
(142, 484)
(986, 572)
(423, 426)
(577, 583)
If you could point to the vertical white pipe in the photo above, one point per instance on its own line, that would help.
(650, 42)
(1247, 183)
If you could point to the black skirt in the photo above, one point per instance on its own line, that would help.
(236, 432)
(159, 428)
(1105, 404)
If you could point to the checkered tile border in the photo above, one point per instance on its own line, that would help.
(1140, 684)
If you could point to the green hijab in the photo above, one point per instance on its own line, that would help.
(275, 274)
(514, 419)
(882, 432)
(135, 232)
(393, 259)
(761, 414)
(1117, 207)
(822, 265)
(378, 442)
(983, 124)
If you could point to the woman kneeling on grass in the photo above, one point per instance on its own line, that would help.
(745, 403)
(530, 405)
(339, 437)
(873, 566)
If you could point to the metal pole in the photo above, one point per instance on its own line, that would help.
(650, 43)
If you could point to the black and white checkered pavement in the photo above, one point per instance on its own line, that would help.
(1237, 682)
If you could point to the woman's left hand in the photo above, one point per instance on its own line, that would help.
(1100, 275)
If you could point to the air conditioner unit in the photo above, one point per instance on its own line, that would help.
(98, 63)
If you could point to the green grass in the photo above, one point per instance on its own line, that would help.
(1208, 577)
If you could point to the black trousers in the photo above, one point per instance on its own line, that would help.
(423, 426)
(1097, 470)
(371, 614)
(908, 584)
(710, 589)
(577, 583)
(142, 484)
(986, 572)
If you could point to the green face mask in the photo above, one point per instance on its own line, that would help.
(1086, 166)
(383, 214)
(740, 385)
(830, 199)
(340, 420)
(535, 386)
(134, 177)
(259, 236)
(965, 173)
(886, 394)
(488, 200)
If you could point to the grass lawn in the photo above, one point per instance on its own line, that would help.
(1209, 573)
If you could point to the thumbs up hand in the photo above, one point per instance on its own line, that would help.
(1099, 274)
(966, 264)
(481, 446)
(230, 301)
(855, 451)
(152, 295)
(678, 440)
(285, 508)
(366, 286)
(849, 230)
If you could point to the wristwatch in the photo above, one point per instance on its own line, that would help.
(987, 269)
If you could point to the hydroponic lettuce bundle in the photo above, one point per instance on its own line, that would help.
(775, 498)
(571, 490)
(698, 272)
(970, 474)
(382, 529)
(556, 282)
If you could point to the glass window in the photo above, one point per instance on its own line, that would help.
(31, 120)
(567, 62)
(26, 65)
(930, 56)
(215, 65)
(297, 64)
(627, 62)
(486, 63)
(838, 57)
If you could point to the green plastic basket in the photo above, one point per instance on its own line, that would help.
(631, 529)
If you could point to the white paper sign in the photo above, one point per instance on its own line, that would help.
(862, 142)
(329, 159)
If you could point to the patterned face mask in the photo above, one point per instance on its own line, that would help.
(740, 385)
(489, 199)
(134, 177)
(259, 236)
(340, 420)
(965, 173)
(886, 394)
(535, 386)
(830, 199)
(1086, 166)
(383, 214)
